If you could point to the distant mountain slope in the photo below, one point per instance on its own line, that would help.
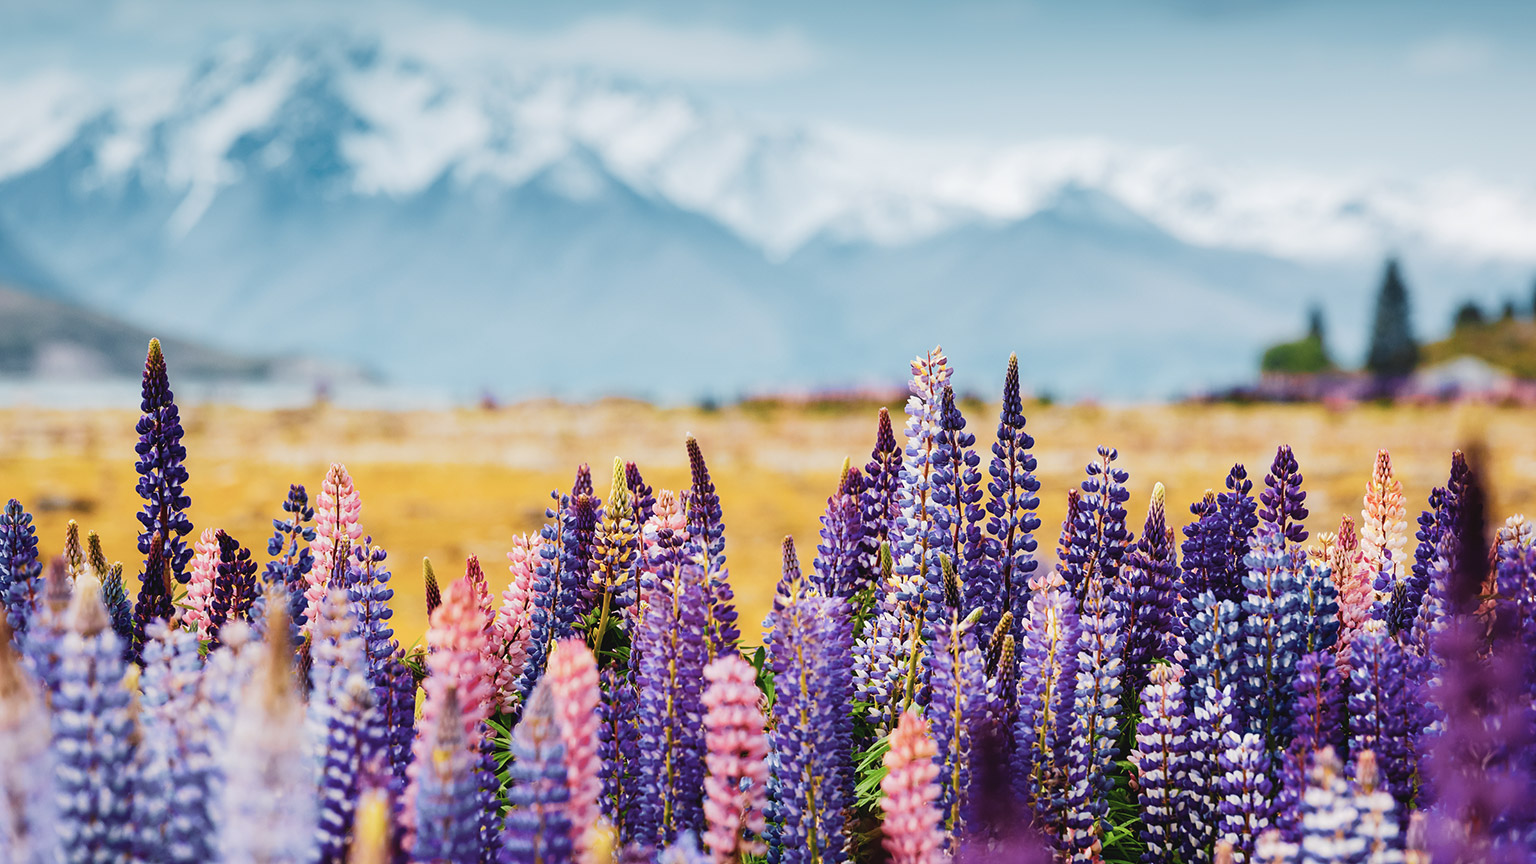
(565, 233)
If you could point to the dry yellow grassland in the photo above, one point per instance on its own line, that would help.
(448, 484)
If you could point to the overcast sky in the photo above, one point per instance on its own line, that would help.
(1391, 87)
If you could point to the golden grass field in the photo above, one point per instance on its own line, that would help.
(448, 484)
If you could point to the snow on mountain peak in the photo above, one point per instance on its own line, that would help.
(374, 122)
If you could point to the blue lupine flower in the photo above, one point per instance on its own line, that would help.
(234, 591)
(619, 746)
(958, 709)
(1047, 696)
(1014, 492)
(1273, 628)
(161, 476)
(1212, 718)
(839, 566)
(1098, 541)
(1318, 723)
(1328, 815)
(92, 730)
(811, 740)
(881, 497)
(1149, 596)
(447, 800)
(21, 574)
(344, 725)
(1379, 715)
(537, 831)
(176, 770)
(1245, 791)
(1281, 502)
(1097, 707)
(1162, 761)
(289, 548)
(368, 595)
(958, 518)
(706, 545)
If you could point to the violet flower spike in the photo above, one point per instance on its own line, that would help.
(538, 826)
(1014, 492)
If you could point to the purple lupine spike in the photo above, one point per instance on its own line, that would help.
(1047, 678)
(368, 596)
(1273, 628)
(1097, 706)
(487, 796)
(839, 567)
(1319, 608)
(1376, 828)
(957, 516)
(1099, 540)
(547, 582)
(1162, 763)
(1014, 492)
(1215, 644)
(1149, 596)
(1318, 723)
(447, 824)
(619, 747)
(341, 713)
(1379, 715)
(1327, 812)
(809, 649)
(234, 591)
(398, 711)
(1212, 718)
(290, 552)
(642, 498)
(881, 499)
(29, 818)
(1246, 801)
(1480, 767)
(1204, 541)
(92, 735)
(1240, 518)
(583, 483)
(174, 764)
(706, 544)
(958, 708)
(21, 573)
(434, 592)
(579, 543)
(43, 645)
(671, 642)
(1282, 501)
(162, 473)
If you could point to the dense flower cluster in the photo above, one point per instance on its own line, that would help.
(929, 690)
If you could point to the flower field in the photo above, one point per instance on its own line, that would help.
(971, 649)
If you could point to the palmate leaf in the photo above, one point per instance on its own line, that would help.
(870, 769)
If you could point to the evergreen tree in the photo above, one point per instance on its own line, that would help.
(1468, 314)
(1393, 352)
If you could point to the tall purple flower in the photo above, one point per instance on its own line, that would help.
(368, 595)
(1098, 540)
(21, 574)
(1318, 723)
(175, 768)
(671, 642)
(1328, 816)
(1210, 709)
(706, 544)
(809, 646)
(1273, 627)
(234, 591)
(619, 747)
(1014, 492)
(1282, 503)
(1162, 761)
(447, 825)
(839, 567)
(957, 518)
(578, 540)
(342, 718)
(1245, 802)
(959, 709)
(289, 549)
(538, 829)
(1046, 713)
(642, 498)
(1098, 706)
(161, 475)
(1380, 717)
(29, 814)
(1149, 595)
(881, 499)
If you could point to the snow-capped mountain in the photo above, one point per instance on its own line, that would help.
(565, 232)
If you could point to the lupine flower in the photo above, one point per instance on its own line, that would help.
(1218, 540)
(341, 719)
(1281, 504)
(512, 629)
(538, 827)
(671, 642)
(368, 595)
(234, 589)
(1379, 715)
(736, 755)
(74, 552)
(1273, 629)
(1376, 829)
(162, 476)
(1047, 681)
(198, 611)
(956, 498)
(21, 574)
(1355, 584)
(447, 829)
(1099, 540)
(1245, 791)
(91, 727)
(1162, 763)
(812, 735)
(614, 555)
(1215, 643)
(1211, 710)
(619, 745)
(839, 566)
(337, 529)
(429, 583)
(176, 768)
(1014, 492)
(958, 709)
(578, 536)
(1097, 708)
(398, 710)
(28, 806)
(1328, 815)
(880, 663)
(289, 549)
(1150, 595)
(42, 649)
(456, 637)
(1318, 723)
(706, 544)
(684, 850)
(572, 678)
(911, 830)
(1382, 532)
(880, 501)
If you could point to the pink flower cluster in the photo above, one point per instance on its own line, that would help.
(572, 677)
(736, 754)
(205, 571)
(512, 628)
(336, 521)
(911, 787)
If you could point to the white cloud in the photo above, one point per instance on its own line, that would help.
(1452, 54)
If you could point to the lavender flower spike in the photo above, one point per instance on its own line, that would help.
(1162, 763)
(161, 475)
(447, 828)
(1014, 492)
(21, 574)
(538, 830)
(28, 808)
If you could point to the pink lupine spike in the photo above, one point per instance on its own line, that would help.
(1354, 586)
(662, 537)
(512, 629)
(476, 577)
(572, 675)
(736, 789)
(1383, 522)
(911, 828)
(457, 641)
(196, 613)
(337, 509)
